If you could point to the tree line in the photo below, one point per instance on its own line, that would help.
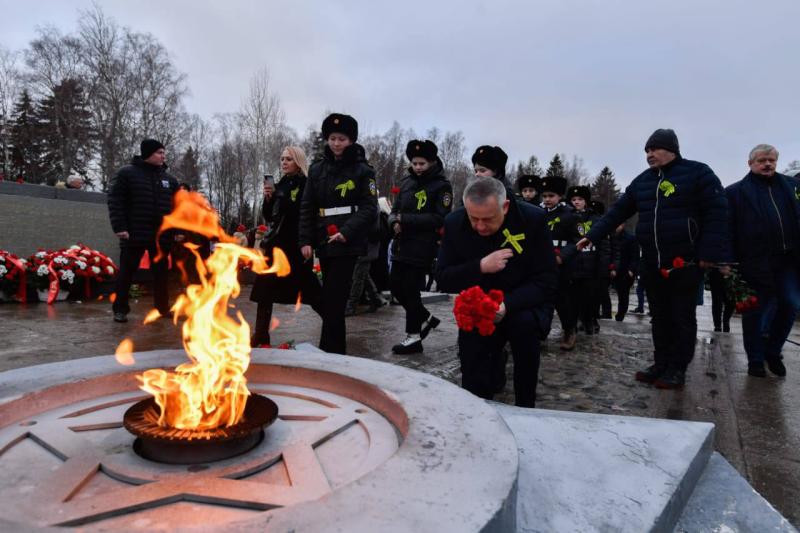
(79, 103)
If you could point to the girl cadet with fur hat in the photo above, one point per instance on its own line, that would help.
(528, 188)
(418, 212)
(337, 212)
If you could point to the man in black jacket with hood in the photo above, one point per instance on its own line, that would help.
(138, 198)
(682, 230)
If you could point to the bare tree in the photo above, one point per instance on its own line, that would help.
(452, 152)
(51, 59)
(575, 172)
(10, 88)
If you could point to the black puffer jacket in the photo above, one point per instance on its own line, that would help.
(563, 232)
(138, 198)
(591, 262)
(682, 213)
(342, 183)
(420, 208)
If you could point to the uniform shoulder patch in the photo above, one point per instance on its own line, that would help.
(373, 188)
(447, 199)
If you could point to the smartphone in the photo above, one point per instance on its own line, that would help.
(269, 179)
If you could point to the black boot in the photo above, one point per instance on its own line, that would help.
(429, 325)
(726, 327)
(411, 344)
(619, 317)
(651, 373)
(776, 366)
(672, 378)
(756, 369)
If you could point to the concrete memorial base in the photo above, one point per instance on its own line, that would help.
(359, 446)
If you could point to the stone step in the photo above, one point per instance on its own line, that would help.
(724, 501)
(588, 472)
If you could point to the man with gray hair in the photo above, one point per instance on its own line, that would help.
(763, 212)
(496, 243)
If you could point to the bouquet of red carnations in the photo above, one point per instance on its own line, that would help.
(475, 309)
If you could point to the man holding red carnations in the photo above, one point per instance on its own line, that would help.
(498, 254)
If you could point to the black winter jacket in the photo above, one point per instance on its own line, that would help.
(139, 196)
(624, 253)
(764, 220)
(563, 231)
(529, 280)
(591, 262)
(420, 208)
(332, 183)
(682, 213)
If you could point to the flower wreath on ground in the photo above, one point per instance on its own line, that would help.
(67, 269)
(475, 309)
(12, 276)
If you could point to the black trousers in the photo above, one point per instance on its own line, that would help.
(565, 307)
(311, 295)
(405, 281)
(583, 294)
(337, 276)
(673, 304)
(129, 258)
(479, 356)
(623, 283)
(721, 306)
(603, 298)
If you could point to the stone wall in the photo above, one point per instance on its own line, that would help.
(37, 216)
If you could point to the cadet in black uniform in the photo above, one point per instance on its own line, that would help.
(338, 210)
(604, 271)
(564, 233)
(528, 187)
(497, 243)
(417, 217)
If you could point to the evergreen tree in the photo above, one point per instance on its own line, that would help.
(65, 125)
(556, 168)
(604, 188)
(187, 170)
(26, 146)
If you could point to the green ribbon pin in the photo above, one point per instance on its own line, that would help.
(797, 193)
(422, 199)
(513, 240)
(584, 227)
(666, 187)
(346, 186)
(294, 192)
(552, 223)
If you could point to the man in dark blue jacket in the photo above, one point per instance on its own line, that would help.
(497, 243)
(624, 267)
(682, 229)
(138, 198)
(764, 213)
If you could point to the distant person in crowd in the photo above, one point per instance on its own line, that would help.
(495, 243)
(764, 214)
(337, 213)
(281, 213)
(418, 213)
(528, 187)
(603, 299)
(490, 161)
(625, 268)
(682, 221)
(722, 303)
(586, 266)
(564, 234)
(363, 286)
(74, 182)
(139, 196)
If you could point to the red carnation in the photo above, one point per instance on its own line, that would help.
(395, 189)
(739, 307)
(678, 262)
(753, 301)
(612, 266)
(496, 295)
(262, 228)
(474, 309)
(332, 230)
(557, 251)
(664, 273)
(241, 228)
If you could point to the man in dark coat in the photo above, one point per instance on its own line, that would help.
(139, 196)
(338, 210)
(418, 212)
(563, 234)
(496, 243)
(682, 229)
(764, 213)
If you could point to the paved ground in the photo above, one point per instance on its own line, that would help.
(757, 420)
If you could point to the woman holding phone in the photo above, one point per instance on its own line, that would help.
(339, 208)
(281, 211)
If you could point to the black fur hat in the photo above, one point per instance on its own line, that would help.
(338, 123)
(557, 185)
(598, 207)
(527, 180)
(580, 191)
(426, 149)
(491, 157)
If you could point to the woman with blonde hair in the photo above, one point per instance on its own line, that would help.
(281, 212)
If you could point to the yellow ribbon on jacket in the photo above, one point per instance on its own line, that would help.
(346, 186)
(422, 199)
(513, 240)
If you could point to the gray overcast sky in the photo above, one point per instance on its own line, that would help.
(592, 78)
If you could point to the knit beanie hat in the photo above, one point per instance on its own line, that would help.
(149, 147)
(663, 138)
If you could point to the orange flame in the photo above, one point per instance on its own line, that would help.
(152, 316)
(124, 353)
(210, 390)
(299, 302)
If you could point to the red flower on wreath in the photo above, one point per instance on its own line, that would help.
(332, 230)
(475, 309)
